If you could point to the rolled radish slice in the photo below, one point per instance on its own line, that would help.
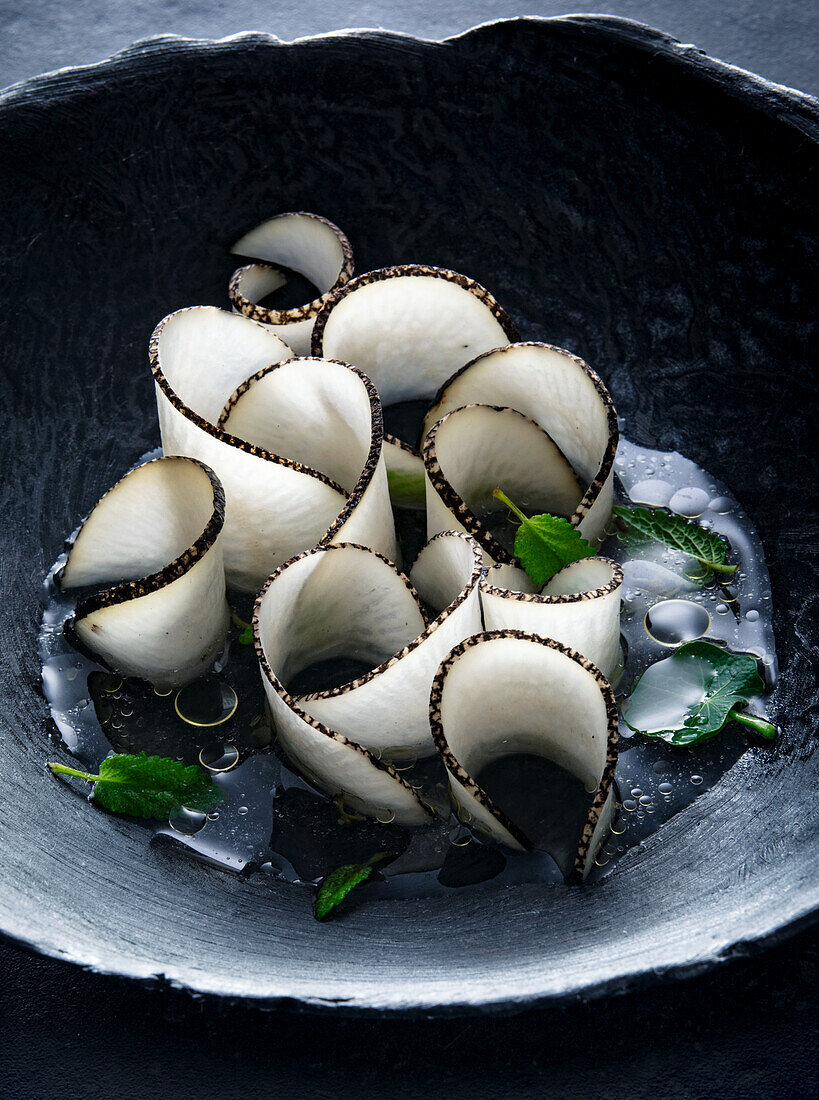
(473, 450)
(296, 445)
(405, 474)
(580, 607)
(347, 601)
(155, 537)
(505, 692)
(302, 242)
(564, 397)
(410, 327)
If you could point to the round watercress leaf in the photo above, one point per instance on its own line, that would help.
(691, 695)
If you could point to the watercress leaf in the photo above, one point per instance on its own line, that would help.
(643, 524)
(246, 637)
(691, 695)
(338, 884)
(545, 543)
(148, 786)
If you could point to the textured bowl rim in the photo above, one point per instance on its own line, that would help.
(787, 106)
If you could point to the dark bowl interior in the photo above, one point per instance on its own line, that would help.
(622, 196)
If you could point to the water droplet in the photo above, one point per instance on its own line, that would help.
(645, 800)
(689, 502)
(160, 691)
(672, 622)
(213, 816)
(242, 811)
(629, 804)
(462, 841)
(219, 757)
(386, 817)
(752, 616)
(665, 788)
(696, 780)
(636, 792)
(660, 766)
(721, 505)
(721, 609)
(654, 493)
(187, 822)
(206, 702)
(618, 828)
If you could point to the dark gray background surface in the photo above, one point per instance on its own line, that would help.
(748, 1030)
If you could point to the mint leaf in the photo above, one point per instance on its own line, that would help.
(675, 531)
(545, 543)
(147, 786)
(337, 885)
(693, 694)
(246, 637)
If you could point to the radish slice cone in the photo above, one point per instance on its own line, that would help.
(347, 600)
(410, 327)
(564, 397)
(305, 243)
(580, 607)
(155, 537)
(297, 444)
(506, 691)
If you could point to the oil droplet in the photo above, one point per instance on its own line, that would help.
(721, 505)
(187, 822)
(618, 831)
(462, 841)
(672, 622)
(665, 788)
(158, 690)
(218, 757)
(752, 616)
(206, 702)
(689, 502)
(629, 804)
(721, 609)
(386, 817)
(654, 493)
(696, 780)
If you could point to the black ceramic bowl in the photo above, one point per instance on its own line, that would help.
(623, 196)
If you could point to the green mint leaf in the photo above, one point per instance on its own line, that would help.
(544, 544)
(246, 637)
(147, 786)
(691, 695)
(407, 489)
(338, 884)
(675, 531)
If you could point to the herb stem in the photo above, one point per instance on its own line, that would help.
(760, 725)
(719, 567)
(61, 769)
(498, 494)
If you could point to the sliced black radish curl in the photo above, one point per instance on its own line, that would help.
(409, 328)
(297, 443)
(301, 242)
(472, 451)
(506, 691)
(565, 398)
(580, 607)
(154, 536)
(346, 600)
